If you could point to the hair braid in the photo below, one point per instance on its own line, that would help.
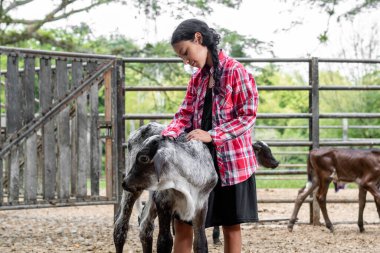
(213, 47)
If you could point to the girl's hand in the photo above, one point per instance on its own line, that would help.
(199, 135)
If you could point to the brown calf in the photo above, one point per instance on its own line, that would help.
(341, 165)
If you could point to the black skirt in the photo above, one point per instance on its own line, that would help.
(228, 205)
(231, 205)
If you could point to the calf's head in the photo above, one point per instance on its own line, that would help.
(145, 170)
(264, 155)
(136, 140)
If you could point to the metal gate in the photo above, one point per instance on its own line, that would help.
(59, 128)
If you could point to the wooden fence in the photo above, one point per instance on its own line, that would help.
(51, 144)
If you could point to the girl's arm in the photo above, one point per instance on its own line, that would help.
(182, 119)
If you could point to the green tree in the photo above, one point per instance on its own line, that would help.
(330, 6)
(15, 30)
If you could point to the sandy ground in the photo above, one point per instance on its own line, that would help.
(89, 229)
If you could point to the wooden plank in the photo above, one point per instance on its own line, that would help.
(119, 124)
(95, 169)
(31, 176)
(14, 123)
(14, 177)
(30, 165)
(81, 131)
(114, 121)
(63, 133)
(83, 145)
(13, 95)
(74, 155)
(48, 138)
(120, 127)
(76, 72)
(28, 86)
(108, 145)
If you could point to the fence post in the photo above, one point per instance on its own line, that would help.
(314, 127)
(120, 122)
(108, 145)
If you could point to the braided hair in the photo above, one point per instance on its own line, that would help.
(186, 31)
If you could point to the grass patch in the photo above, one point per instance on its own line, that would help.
(265, 182)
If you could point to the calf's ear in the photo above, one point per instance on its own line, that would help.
(159, 161)
(256, 146)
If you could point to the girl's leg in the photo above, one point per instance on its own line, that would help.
(232, 239)
(183, 237)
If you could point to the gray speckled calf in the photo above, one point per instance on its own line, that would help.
(180, 175)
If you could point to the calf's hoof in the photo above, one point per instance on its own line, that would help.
(217, 241)
(331, 228)
(291, 225)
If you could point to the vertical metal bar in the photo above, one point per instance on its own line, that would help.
(108, 146)
(63, 133)
(94, 135)
(48, 137)
(30, 168)
(314, 124)
(314, 82)
(14, 123)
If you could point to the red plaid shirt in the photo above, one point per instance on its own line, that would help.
(233, 116)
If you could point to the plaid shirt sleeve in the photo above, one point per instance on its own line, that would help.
(183, 118)
(244, 98)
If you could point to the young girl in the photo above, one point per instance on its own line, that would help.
(219, 109)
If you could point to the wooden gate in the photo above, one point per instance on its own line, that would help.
(59, 128)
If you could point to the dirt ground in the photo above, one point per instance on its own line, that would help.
(89, 229)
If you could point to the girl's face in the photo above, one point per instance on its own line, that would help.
(193, 52)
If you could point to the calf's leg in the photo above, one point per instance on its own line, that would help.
(164, 210)
(200, 240)
(321, 197)
(122, 219)
(302, 195)
(148, 215)
(216, 235)
(374, 190)
(362, 201)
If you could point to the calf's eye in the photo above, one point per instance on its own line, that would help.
(143, 159)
